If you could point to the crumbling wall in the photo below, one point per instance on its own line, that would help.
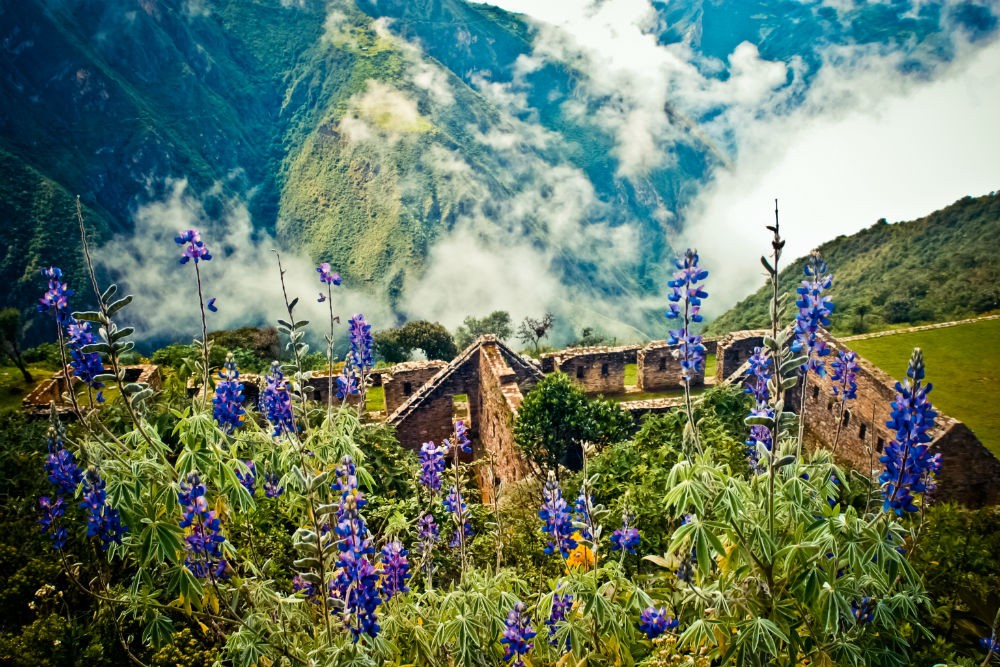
(859, 435)
(658, 369)
(733, 350)
(596, 370)
(403, 380)
(500, 461)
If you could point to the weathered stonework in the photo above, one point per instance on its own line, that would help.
(403, 380)
(657, 368)
(596, 370)
(969, 471)
(733, 350)
(37, 403)
(494, 378)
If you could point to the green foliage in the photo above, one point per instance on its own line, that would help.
(396, 345)
(260, 342)
(497, 323)
(556, 419)
(878, 272)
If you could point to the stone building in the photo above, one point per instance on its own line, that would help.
(596, 370)
(658, 369)
(733, 350)
(858, 435)
(37, 403)
(494, 379)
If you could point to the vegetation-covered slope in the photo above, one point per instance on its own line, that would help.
(941, 267)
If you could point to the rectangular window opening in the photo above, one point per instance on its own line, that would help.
(604, 370)
(579, 372)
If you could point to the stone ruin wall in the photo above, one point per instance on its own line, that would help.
(969, 471)
(500, 461)
(733, 350)
(38, 402)
(596, 370)
(657, 368)
(403, 380)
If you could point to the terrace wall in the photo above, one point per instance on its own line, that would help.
(596, 370)
(658, 369)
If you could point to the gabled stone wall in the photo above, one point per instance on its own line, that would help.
(733, 350)
(403, 380)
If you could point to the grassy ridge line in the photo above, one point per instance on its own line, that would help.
(941, 267)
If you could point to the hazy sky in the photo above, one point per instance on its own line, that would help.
(865, 145)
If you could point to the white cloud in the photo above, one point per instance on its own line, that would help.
(242, 275)
(864, 146)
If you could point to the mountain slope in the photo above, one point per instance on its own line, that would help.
(941, 267)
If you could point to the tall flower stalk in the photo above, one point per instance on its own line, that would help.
(453, 503)
(814, 312)
(555, 515)
(685, 297)
(195, 249)
(843, 375)
(329, 278)
(909, 465)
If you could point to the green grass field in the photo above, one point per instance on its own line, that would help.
(963, 364)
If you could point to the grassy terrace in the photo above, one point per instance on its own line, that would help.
(963, 364)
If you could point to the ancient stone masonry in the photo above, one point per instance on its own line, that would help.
(733, 350)
(494, 378)
(403, 380)
(969, 471)
(38, 401)
(597, 370)
(657, 368)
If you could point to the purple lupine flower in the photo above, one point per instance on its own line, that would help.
(454, 504)
(461, 439)
(625, 538)
(814, 312)
(211, 305)
(62, 470)
(228, 402)
(56, 297)
(52, 510)
(685, 288)
(581, 513)
(276, 402)
(864, 611)
(272, 489)
(306, 587)
(360, 333)
(909, 465)
(204, 544)
(844, 372)
(561, 604)
(103, 520)
(517, 635)
(555, 514)
(248, 480)
(759, 433)
(395, 570)
(194, 247)
(990, 644)
(347, 382)
(431, 466)
(654, 622)
(356, 583)
(428, 530)
(758, 372)
(326, 276)
(86, 365)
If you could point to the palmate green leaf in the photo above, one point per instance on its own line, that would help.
(182, 583)
(160, 541)
(157, 629)
(687, 495)
(760, 635)
(833, 608)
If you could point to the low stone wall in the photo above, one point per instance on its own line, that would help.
(39, 401)
(596, 370)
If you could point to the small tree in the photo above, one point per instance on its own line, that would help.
(556, 419)
(532, 331)
(10, 340)
(497, 323)
(395, 345)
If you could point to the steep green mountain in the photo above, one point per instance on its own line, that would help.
(369, 134)
(941, 267)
